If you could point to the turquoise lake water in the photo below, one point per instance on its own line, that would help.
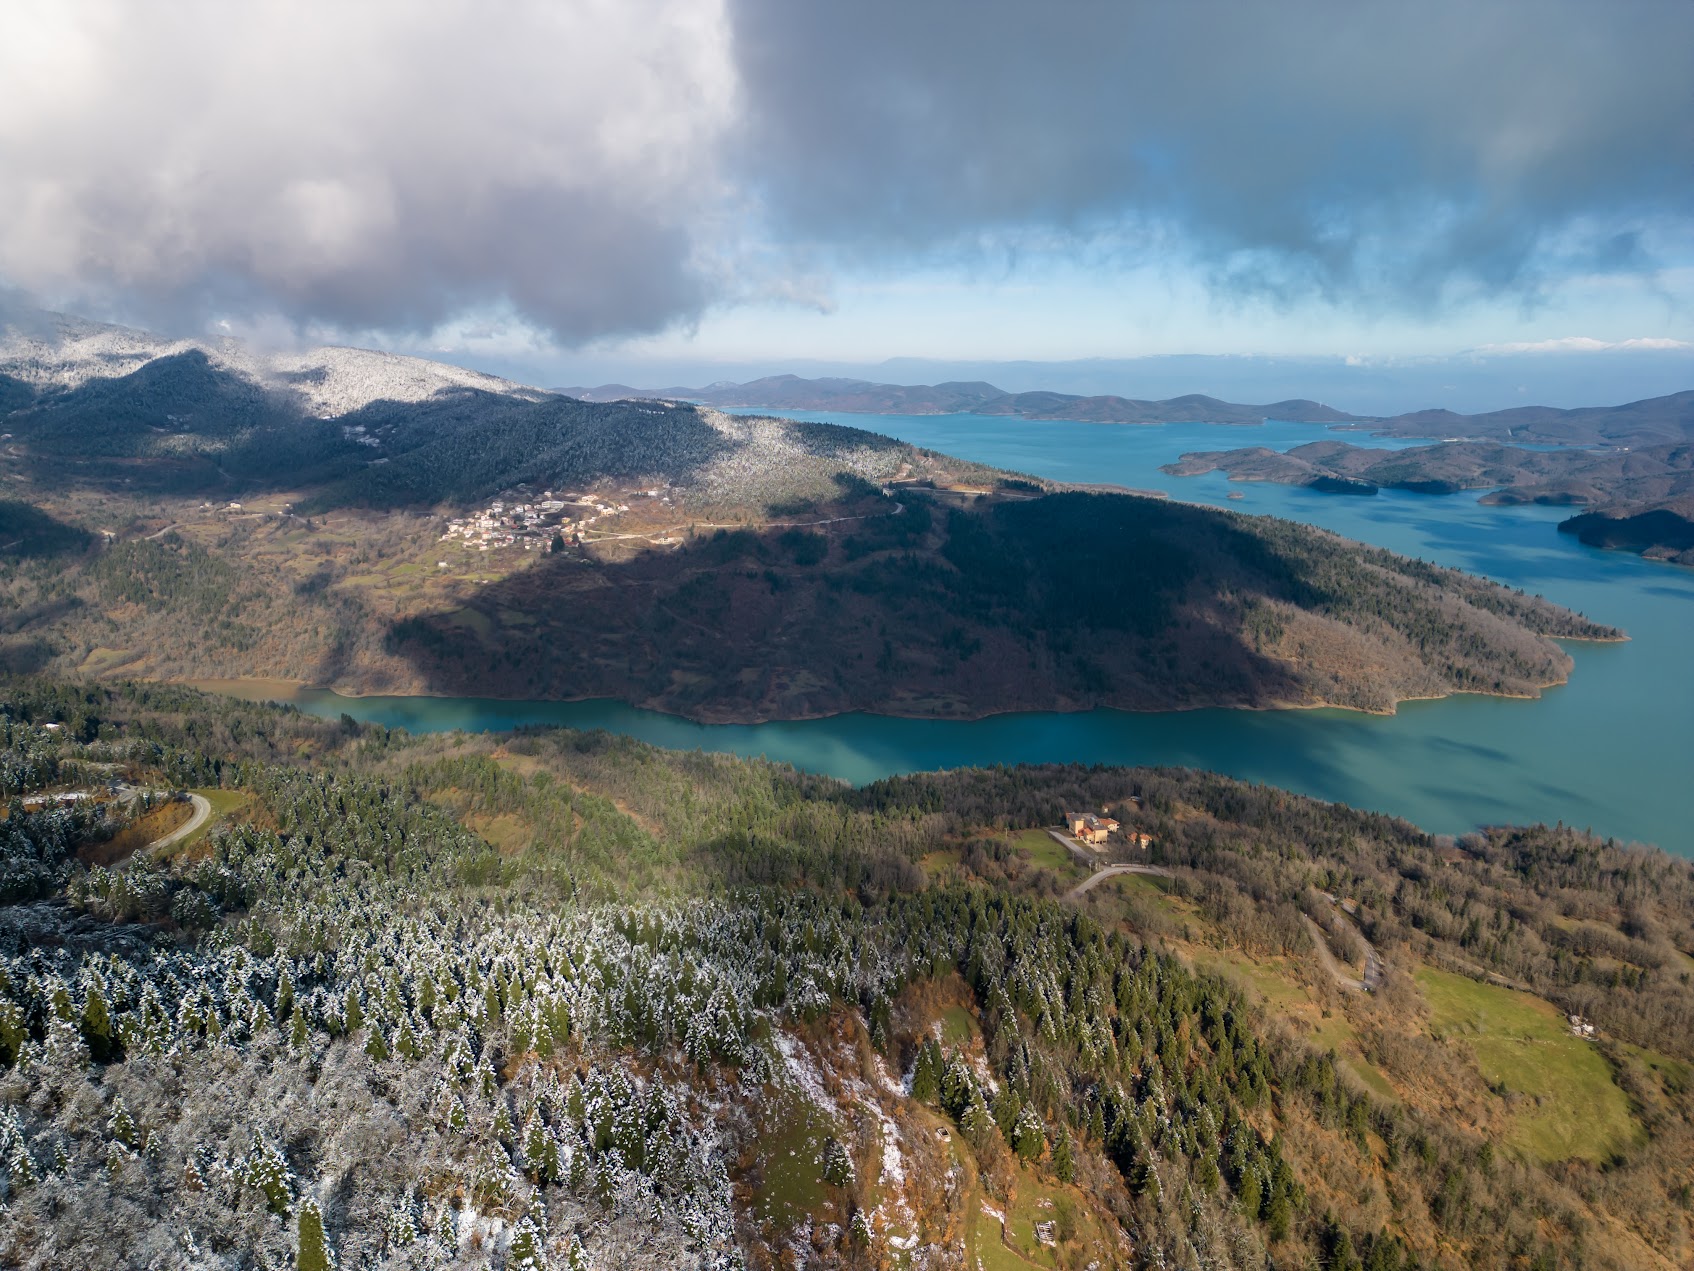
(1612, 750)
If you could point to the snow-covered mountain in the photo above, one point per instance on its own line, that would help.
(51, 351)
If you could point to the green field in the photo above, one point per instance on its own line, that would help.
(991, 1253)
(791, 1147)
(958, 1026)
(1571, 1107)
(1046, 852)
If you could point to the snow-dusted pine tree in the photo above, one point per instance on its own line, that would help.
(311, 1245)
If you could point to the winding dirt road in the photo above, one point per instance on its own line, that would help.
(1338, 972)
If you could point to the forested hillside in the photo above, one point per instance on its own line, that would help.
(1071, 600)
(377, 524)
(560, 999)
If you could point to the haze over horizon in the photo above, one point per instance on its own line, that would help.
(1471, 206)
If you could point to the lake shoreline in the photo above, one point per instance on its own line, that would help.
(290, 692)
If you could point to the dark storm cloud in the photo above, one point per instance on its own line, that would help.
(1363, 151)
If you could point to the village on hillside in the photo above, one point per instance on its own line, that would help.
(517, 519)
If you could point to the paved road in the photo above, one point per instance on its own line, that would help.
(1112, 871)
(202, 810)
(1074, 848)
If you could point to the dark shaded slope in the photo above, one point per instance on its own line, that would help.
(466, 444)
(1070, 601)
(181, 394)
(27, 531)
(1662, 533)
(15, 394)
(183, 425)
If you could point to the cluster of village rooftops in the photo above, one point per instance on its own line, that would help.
(517, 520)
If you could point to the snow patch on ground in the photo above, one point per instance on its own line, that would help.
(803, 1072)
(893, 1216)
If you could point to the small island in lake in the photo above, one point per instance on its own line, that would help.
(1641, 494)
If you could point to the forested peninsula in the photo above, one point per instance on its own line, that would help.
(380, 524)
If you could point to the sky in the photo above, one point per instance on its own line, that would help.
(580, 190)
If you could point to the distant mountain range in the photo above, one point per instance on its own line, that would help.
(1653, 420)
(790, 392)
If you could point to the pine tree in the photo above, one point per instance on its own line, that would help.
(97, 1026)
(837, 1164)
(311, 1246)
(1007, 1108)
(21, 1169)
(860, 1229)
(266, 1170)
(1250, 1192)
(402, 1226)
(447, 1230)
(66, 1051)
(121, 1126)
(926, 1073)
(958, 1087)
(527, 1252)
(1028, 1137)
(14, 1031)
(1342, 1255)
(977, 1123)
(299, 1032)
(451, 1110)
(1064, 1157)
(540, 1151)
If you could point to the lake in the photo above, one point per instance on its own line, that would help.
(1612, 750)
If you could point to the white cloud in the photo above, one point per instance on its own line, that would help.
(1583, 344)
(384, 163)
